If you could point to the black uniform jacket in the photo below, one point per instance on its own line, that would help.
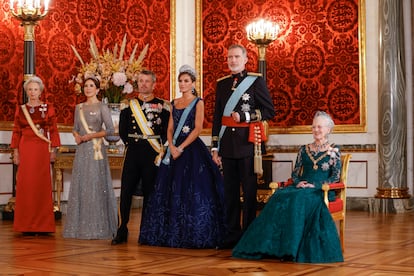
(256, 101)
(157, 112)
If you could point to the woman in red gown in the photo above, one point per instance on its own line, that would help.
(34, 139)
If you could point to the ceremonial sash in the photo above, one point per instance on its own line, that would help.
(145, 129)
(180, 125)
(234, 99)
(97, 142)
(34, 128)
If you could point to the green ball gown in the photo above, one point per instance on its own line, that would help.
(295, 224)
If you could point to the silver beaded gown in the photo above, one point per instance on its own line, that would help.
(92, 208)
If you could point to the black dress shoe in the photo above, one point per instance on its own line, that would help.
(121, 237)
(118, 240)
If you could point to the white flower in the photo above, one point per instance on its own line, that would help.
(128, 88)
(119, 79)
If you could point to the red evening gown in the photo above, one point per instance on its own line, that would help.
(34, 203)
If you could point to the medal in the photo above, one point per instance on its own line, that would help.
(315, 167)
(234, 84)
(42, 109)
(31, 110)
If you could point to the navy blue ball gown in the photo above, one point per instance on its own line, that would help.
(295, 224)
(186, 209)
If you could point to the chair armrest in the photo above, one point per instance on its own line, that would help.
(331, 186)
(334, 186)
(276, 185)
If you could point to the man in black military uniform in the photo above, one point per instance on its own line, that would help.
(143, 129)
(241, 99)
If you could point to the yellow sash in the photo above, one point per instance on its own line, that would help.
(146, 130)
(34, 128)
(97, 142)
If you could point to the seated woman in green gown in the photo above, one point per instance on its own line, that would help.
(295, 224)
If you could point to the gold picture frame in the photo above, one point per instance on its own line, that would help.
(350, 128)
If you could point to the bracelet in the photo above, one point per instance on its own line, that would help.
(180, 149)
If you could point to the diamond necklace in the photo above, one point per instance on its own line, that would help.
(32, 108)
(319, 147)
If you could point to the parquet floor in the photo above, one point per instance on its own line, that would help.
(376, 244)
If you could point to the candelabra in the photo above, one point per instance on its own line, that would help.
(262, 33)
(29, 12)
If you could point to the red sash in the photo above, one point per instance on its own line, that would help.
(229, 122)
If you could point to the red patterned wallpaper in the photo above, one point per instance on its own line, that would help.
(73, 22)
(313, 65)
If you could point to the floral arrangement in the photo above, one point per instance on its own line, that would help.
(118, 76)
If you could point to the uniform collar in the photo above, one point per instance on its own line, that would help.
(240, 75)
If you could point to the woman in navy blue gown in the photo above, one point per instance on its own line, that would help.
(295, 224)
(186, 208)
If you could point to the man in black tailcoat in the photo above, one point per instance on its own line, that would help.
(242, 98)
(143, 129)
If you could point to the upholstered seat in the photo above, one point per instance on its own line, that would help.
(337, 207)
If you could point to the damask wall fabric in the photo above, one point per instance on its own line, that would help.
(72, 23)
(312, 65)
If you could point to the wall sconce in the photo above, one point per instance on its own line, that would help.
(29, 12)
(262, 33)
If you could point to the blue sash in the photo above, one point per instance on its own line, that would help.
(234, 99)
(180, 125)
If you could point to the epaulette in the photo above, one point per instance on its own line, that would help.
(124, 104)
(222, 78)
(167, 105)
(254, 74)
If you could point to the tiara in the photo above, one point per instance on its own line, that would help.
(188, 69)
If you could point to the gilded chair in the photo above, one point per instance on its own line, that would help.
(337, 208)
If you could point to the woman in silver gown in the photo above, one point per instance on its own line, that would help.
(92, 210)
